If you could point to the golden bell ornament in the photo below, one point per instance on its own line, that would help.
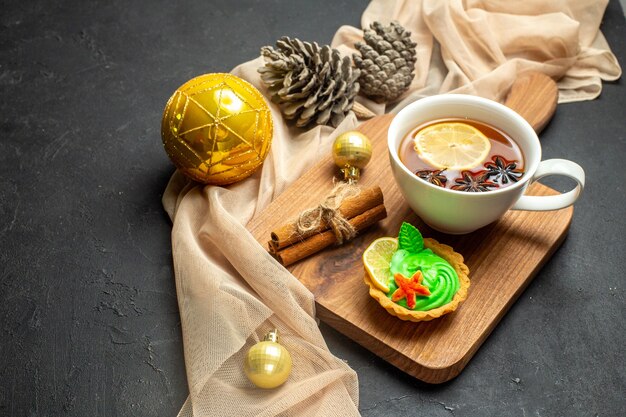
(217, 129)
(268, 364)
(351, 152)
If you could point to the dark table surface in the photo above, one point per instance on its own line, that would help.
(89, 315)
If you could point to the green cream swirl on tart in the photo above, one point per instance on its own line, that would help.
(414, 278)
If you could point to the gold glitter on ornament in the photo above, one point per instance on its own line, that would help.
(217, 129)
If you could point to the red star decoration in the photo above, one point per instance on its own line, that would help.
(408, 288)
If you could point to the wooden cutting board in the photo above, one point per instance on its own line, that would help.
(502, 257)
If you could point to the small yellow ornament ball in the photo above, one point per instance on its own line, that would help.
(268, 364)
(352, 150)
(217, 129)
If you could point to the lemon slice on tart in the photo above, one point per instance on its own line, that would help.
(377, 258)
(452, 145)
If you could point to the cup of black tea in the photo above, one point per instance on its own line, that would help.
(462, 161)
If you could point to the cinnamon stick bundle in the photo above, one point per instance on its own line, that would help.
(361, 211)
(349, 208)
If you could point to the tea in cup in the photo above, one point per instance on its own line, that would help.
(462, 161)
(463, 155)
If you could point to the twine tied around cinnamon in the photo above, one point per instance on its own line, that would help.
(311, 219)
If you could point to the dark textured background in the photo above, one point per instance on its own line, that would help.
(90, 322)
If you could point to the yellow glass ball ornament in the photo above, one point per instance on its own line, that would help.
(268, 364)
(217, 129)
(352, 150)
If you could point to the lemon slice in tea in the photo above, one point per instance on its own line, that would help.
(376, 259)
(452, 145)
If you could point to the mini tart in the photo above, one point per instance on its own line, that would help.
(455, 259)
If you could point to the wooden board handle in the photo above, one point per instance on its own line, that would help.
(534, 96)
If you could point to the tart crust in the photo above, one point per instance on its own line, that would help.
(455, 259)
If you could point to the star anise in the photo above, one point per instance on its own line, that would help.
(408, 288)
(433, 176)
(474, 182)
(503, 170)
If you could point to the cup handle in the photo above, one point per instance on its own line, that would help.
(553, 202)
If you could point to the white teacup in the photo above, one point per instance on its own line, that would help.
(458, 212)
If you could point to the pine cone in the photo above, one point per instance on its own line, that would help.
(386, 62)
(311, 83)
